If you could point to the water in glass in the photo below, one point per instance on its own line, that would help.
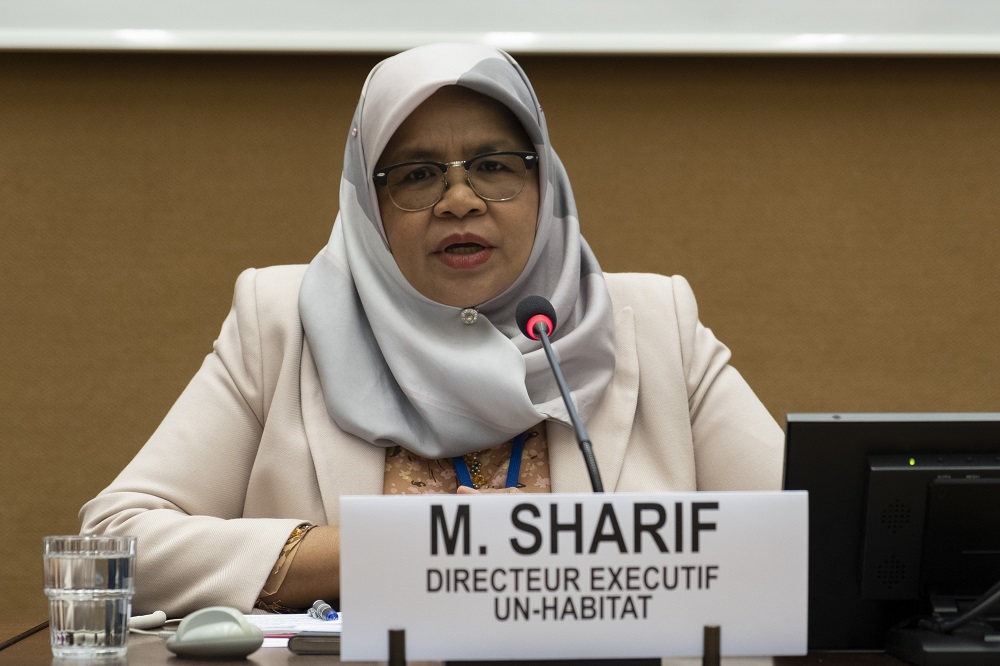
(89, 586)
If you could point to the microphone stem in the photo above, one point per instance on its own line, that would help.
(582, 438)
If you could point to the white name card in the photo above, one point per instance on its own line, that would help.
(574, 576)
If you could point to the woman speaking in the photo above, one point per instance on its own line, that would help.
(393, 364)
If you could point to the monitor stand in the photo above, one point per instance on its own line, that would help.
(974, 644)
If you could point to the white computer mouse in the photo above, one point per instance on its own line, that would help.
(215, 632)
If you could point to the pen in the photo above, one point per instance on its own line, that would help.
(322, 611)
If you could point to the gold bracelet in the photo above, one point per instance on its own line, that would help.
(284, 563)
(275, 607)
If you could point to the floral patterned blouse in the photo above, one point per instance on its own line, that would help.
(408, 474)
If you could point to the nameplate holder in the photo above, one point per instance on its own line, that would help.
(574, 576)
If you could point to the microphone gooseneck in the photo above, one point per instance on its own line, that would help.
(536, 318)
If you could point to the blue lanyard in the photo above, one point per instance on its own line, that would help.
(513, 469)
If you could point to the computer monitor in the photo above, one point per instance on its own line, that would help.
(903, 513)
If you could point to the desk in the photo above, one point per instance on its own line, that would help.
(149, 650)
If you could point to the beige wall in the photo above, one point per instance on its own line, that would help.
(837, 218)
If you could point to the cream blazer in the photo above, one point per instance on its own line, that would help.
(248, 451)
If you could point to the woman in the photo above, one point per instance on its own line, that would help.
(392, 362)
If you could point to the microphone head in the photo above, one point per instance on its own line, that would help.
(534, 310)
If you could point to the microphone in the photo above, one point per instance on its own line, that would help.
(536, 318)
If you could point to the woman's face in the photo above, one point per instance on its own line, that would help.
(463, 250)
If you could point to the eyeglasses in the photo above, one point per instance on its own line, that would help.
(420, 185)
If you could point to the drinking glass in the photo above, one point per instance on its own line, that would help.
(89, 582)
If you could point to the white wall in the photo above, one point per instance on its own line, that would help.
(520, 26)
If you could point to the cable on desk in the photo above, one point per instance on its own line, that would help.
(24, 634)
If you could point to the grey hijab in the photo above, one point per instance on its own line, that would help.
(399, 369)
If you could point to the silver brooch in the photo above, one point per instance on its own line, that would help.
(469, 316)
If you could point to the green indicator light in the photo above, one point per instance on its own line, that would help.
(913, 461)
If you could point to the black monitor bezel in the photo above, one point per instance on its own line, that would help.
(827, 455)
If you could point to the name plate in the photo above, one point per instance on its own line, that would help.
(574, 576)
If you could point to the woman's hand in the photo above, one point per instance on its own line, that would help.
(466, 490)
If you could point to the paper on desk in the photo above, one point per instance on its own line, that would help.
(277, 628)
